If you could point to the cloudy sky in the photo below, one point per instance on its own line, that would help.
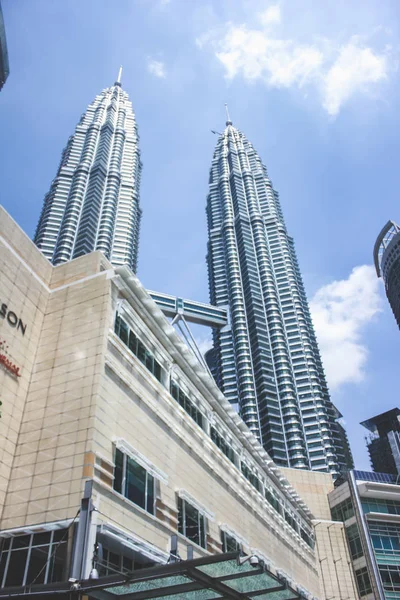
(314, 85)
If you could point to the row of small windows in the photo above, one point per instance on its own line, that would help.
(136, 346)
(146, 357)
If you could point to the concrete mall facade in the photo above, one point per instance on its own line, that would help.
(107, 392)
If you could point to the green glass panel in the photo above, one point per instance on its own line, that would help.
(252, 583)
(197, 595)
(135, 485)
(150, 584)
(226, 567)
(278, 595)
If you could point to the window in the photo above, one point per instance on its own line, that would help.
(385, 538)
(134, 482)
(363, 582)
(39, 557)
(391, 507)
(291, 520)
(137, 347)
(229, 543)
(251, 477)
(191, 523)
(354, 541)
(222, 444)
(390, 575)
(342, 511)
(119, 560)
(179, 395)
(307, 538)
(274, 502)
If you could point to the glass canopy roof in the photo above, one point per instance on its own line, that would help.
(206, 578)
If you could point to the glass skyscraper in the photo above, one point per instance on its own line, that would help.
(266, 360)
(387, 264)
(93, 202)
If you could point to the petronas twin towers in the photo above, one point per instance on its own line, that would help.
(265, 359)
(93, 202)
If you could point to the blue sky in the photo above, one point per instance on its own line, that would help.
(314, 85)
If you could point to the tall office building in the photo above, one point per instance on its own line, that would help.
(266, 360)
(93, 202)
(383, 443)
(4, 66)
(387, 264)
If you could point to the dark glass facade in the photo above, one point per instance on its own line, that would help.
(384, 441)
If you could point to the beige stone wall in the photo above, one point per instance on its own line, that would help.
(334, 564)
(138, 409)
(333, 559)
(313, 488)
(58, 417)
(24, 276)
(75, 397)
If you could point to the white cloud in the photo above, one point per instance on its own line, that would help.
(255, 55)
(157, 68)
(271, 16)
(334, 72)
(340, 311)
(353, 70)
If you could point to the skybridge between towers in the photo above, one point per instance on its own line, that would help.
(192, 312)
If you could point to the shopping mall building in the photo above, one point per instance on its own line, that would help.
(118, 452)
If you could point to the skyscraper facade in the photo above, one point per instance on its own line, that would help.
(387, 264)
(4, 66)
(93, 202)
(266, 360)
(383, 443)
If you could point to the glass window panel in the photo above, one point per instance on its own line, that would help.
(58, 563)
(226, 567)
(278, 595)
(151, 584)
(59, 534)
(157, 370)
(21, 541)
(150, 494)
(132, 342)
(6, 543)
(141, 352)
(197, 595)
(181, 516)
(41, 538)
(252, 583)
(192, 523)
(135, 486)
(3, 561)
(118, 471)
(127, 564)
(16, 567)
(123, 331)
(37, 564)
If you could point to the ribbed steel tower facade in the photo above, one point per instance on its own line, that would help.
(266, 361)
(93, 202)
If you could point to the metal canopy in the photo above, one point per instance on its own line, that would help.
(216, 577)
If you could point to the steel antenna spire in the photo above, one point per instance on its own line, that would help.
(119, 75)
(228, 119)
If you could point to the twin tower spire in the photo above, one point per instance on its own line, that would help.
(266, 360)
